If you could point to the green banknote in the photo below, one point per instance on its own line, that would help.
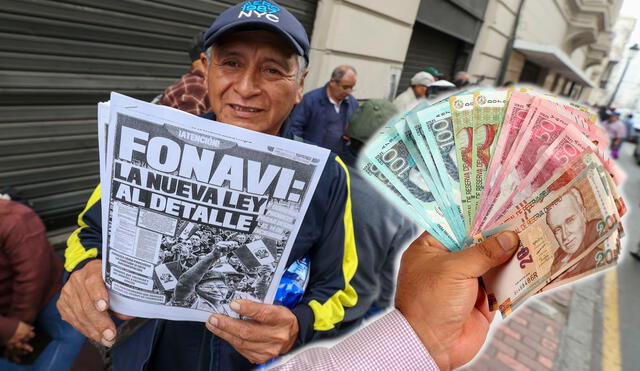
(435, 123)
(382, 184)
(415, 139)
(488, 111)
(391, 156)
(463, 125)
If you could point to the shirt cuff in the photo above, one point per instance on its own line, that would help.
(305, 317)
(387, 344)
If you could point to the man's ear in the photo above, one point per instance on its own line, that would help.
(205, 63)
(300, 91)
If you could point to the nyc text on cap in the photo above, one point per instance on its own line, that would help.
(260, 14)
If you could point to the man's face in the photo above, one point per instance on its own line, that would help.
(341, 89)
(420, 90)
(213, 290)
(195, 240)
(252, 82)
(568, 223)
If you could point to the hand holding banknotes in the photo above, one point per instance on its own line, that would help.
(439, 294)
(84, 302)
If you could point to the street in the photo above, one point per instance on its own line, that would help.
(629, 268)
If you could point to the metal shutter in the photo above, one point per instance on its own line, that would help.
(59, 58)
(430, 47)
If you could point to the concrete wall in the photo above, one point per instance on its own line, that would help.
(371, 35)
(487, 56)
(542, 22)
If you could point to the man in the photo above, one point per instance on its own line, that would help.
(255, 75)
(419, 335)
(418, 90)
(321, 118)
(437, 75)
(617, 132)
(30, 280)
(567, 220)
(189, 94)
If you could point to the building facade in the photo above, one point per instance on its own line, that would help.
(560, 45)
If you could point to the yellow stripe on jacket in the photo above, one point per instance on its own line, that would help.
(332, 311)
(75, 252)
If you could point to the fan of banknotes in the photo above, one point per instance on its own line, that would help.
(481, 162)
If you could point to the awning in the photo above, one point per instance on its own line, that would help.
(551, 57)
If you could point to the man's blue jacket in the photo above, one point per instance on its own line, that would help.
(326, 235)
(315, 119)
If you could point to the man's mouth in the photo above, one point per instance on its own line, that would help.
(245, 108)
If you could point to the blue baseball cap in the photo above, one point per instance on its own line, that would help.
(260, 14)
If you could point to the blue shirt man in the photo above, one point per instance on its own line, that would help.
(321, 118)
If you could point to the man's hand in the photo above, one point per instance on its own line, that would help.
(18, 344)
(271, 331)
(24, 332)
(84, 301)
(439, 294)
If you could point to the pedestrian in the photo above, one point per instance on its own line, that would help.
(437, 75)
(321, 118)
(30, 282)
(189, 93)
(617, 132)
(461, 79)
(417, 91)
(629, 125)
(255, 75)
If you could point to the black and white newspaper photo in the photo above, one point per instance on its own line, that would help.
(199, 213)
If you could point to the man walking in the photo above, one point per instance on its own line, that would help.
(321, 118)
(617, 132)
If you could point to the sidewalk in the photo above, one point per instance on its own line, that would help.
(529, 339)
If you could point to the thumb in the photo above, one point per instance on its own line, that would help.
(477, 260)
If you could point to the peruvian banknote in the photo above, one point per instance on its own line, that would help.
(570, 144)
(558, 226)
(390, 155)
(545, 127)
(488, 116)
(518, 110)
(463, 125)
(435, 167)
(435, 123)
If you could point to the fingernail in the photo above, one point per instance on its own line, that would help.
(507, 241)
(108, 334)
(235, 306)
(213, 321)
(102, 305)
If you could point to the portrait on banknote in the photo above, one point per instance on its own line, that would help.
(567, 219)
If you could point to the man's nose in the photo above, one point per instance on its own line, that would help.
(247, 84)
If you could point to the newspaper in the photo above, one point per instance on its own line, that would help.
(196, 213)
